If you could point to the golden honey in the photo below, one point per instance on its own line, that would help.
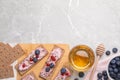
(81, 58)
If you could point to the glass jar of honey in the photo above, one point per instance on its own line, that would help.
(81, 58)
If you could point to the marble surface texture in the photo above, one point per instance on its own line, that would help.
(73, 22)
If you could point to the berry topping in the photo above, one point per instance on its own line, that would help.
(37, 56)
(63, 70)
(67, 74)
(114, 50)
(51, 65)
(35, 60)
(47, 64)
(53, 58)
(107, 53)
(37, 52)
(81, 74)
(31, 59)
(23, 65)
(47, 69)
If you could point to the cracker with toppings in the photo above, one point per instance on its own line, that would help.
(30, 76)
(64, 73)
(51, 63)
(33, 58)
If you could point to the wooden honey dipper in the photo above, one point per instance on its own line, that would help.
(99, 52)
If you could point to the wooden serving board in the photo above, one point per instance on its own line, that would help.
(37, 68)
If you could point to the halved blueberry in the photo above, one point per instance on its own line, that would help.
(37, 52)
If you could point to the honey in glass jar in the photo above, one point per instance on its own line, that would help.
(81, 58)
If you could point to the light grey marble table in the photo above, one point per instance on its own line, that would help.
(73, 22)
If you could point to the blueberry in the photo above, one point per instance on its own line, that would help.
(35, 60)
(105, 77)
(37, 52)
(104, 73)
(81, 74)
(118, 63)
(47, 69)
(76, 79)
(115, 70)
(99, 79)
(51, 65)
(114, 50)
(110, 69)
(113, 75)
(99, 75)
(117, 58)
(113, 62)
(63, 70)
(118, 75)
(114, 66)
(107, 53)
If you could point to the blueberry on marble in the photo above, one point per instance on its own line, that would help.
(47, 69)
(104, 73)
(81, 74)
(114, 50)
(51, 65)
(107, 53)
(37, 52)
(63, 70)
(99, 75)
(35, 60)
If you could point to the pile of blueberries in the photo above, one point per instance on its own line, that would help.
(114, 68)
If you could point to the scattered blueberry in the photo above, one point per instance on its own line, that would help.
(104, 73)
(35, 60)
(47, 69)
(99, 75)
(76, 79)
(107, 53)
(114, 50)
(37, 52)
(81, 74)
(51, 65)
(63, 70)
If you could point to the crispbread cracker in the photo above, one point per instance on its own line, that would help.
(32, 74)
(6, 72)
